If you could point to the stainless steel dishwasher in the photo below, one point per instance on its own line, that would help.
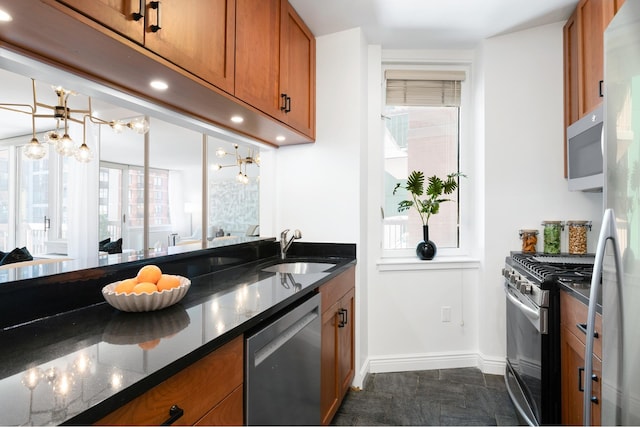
(282, 384)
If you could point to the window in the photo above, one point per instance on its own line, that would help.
(122, 216)
(422, 132)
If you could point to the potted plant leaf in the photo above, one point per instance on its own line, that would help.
(426, 200)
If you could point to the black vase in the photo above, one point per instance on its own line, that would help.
(426, 249)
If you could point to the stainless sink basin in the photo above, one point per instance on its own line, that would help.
(299, 267)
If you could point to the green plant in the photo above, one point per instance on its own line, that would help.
(434, 190)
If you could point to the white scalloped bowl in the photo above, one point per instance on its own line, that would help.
(145, 301)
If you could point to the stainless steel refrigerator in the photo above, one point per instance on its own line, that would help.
(618, 251)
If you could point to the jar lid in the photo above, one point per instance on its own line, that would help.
(528, 231)
(578, 222)
(551, 222)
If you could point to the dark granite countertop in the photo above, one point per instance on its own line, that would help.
(582, 293)
(75, 367)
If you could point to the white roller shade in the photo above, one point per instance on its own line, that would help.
(424, 88)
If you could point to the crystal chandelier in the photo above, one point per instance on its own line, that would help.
(62, 114)
(241, 162)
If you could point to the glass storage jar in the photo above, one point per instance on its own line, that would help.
(552, 234)
(578, 236)
(529, 240)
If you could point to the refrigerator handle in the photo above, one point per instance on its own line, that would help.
(608, 231)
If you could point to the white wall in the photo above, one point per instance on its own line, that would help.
(317, 185)
(332, 190)
(320, 188)
(524, 184)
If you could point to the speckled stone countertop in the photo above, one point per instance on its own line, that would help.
(76, 366)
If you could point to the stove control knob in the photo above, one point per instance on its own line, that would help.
(513, 278)
(524, 286)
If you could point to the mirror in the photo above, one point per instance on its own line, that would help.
(60, 209)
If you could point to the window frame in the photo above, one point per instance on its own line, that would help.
(465, 152)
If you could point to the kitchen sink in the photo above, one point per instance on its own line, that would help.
(298, 267)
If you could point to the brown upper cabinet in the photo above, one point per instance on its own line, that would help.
(584, 57)
(298, 72)
(198, 35)
(275, 62)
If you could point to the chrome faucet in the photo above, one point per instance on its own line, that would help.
(284, 245)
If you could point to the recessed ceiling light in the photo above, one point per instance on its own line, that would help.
(159, 85)
(5, 17)
(237, 119)
(280, 138)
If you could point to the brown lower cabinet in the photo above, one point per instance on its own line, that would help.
(210, 392)
(573, 316)
(337, 361)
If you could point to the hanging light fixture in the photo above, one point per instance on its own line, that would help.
(61, 112)
(34, 150)
(83, 154)
(241, 162)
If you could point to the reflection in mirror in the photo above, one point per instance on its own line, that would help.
(121, 192)
(175, 186)
(59, 208)
(233, 191)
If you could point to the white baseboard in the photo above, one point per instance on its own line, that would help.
(430, 361)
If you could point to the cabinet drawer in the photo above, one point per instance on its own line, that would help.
(334, 289)
(229, 412)
(196, 389)
(574, 312)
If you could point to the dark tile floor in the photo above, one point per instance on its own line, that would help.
(463, 396)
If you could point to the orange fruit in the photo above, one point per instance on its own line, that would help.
(149, 273)
(148, 345)
(168, 281)
(145, 287)
(126, 286)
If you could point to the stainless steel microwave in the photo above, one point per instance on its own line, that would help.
(584, 152)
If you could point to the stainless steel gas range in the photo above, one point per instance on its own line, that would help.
(533, 329)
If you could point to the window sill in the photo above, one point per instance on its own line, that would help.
(438, 263)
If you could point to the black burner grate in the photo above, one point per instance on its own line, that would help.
(578, 268)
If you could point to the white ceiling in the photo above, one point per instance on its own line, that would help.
(430, 24)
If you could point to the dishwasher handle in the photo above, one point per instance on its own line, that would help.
(283, 338)
(311, 311)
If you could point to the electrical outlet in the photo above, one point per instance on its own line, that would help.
(445, 314)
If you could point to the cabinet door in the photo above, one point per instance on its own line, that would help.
(592, 21)
(329, 400)
(115, 14)
(346, 361)
(257, 65)
(197, 35)
(297, 82)
(571, 98)
(572, 350)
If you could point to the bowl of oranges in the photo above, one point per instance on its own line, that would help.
(150, 290)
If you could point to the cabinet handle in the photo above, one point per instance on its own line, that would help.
(140, 13)
(583, 328)
(286, 103)
(175, 412)
(600, 88)
(156, 5)
(343, 318)
(594, 378)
